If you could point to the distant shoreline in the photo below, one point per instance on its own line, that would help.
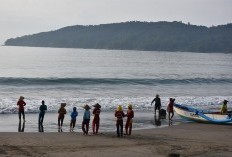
(111, 49)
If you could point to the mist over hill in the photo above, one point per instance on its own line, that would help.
(147, 36)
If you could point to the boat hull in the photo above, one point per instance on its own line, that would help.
(185, 113)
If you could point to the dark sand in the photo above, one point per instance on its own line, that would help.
(187, 139)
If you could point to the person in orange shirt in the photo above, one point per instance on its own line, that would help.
(61, 112)
(129, 121)
(21, 105)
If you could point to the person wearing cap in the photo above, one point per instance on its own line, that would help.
(21, 105)
(74, 115)
(62, 111)
(224, 107)
(157, 103)
(42, 109)
(86, 120)
(129, 121)
(96, 119)
(119, 114)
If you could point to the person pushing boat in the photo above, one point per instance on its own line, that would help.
(224, 107)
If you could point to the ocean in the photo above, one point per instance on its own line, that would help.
(110, 78)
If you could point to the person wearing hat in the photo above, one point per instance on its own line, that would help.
(86, 119)
(96, 119)
(21, 105)
(62, 111)
(157, 103)
(119, 114)
(130, 116)
(224, 107)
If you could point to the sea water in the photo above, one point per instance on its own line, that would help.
(111, 78)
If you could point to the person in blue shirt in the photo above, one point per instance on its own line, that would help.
(86, 119)
(74, 115)
(42, 109)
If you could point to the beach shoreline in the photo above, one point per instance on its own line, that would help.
(186, 139)
(143, 120)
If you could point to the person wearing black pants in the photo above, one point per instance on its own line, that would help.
(119, 114)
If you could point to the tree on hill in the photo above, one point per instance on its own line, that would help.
(148, 36)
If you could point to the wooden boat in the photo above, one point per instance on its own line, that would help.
(197, 115)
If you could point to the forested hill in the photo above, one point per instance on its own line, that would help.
(148, 36)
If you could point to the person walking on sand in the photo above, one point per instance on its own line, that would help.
(119, 114)
(42, 109)
(157, 103)
(21, 105)
(96, 119)
(170, 108)
(61, 112)
(86, 120)
(129, 121)
(224, 107)
(74, 115)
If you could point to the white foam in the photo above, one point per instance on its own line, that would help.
(8, 105)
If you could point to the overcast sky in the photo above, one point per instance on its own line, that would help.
(22, 17)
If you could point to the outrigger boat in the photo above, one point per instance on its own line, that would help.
(197, 115)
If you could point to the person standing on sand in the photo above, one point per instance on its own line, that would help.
(86, 120)
(74, 115)
(96, 119)
(170, 108)
(42, 109)
(224, 107)
(157, 103)
(21, 105)
(62, 112)
(129, 121)
(119, 114)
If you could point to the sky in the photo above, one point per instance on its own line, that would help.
(24, 17)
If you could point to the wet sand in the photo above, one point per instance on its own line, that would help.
(187, 139)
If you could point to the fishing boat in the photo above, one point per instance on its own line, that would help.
(197, 115)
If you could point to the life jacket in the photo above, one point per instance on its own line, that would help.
(119, 115)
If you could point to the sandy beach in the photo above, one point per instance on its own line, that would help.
(187, 139)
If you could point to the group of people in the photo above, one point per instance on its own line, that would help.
(119, 114)
(170, 105)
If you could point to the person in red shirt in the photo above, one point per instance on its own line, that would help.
(119, 114)
(170, 108)
(21, 105)
(130, 116)
(96, 119)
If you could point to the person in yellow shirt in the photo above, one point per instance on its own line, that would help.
(224, 107)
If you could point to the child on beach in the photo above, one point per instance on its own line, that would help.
(42, 109)
(86, 119)
(21, 105)
(96, 119)
(129, 121)
(74, 114)
(119, 114)
(170, 108)
(62, 112)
